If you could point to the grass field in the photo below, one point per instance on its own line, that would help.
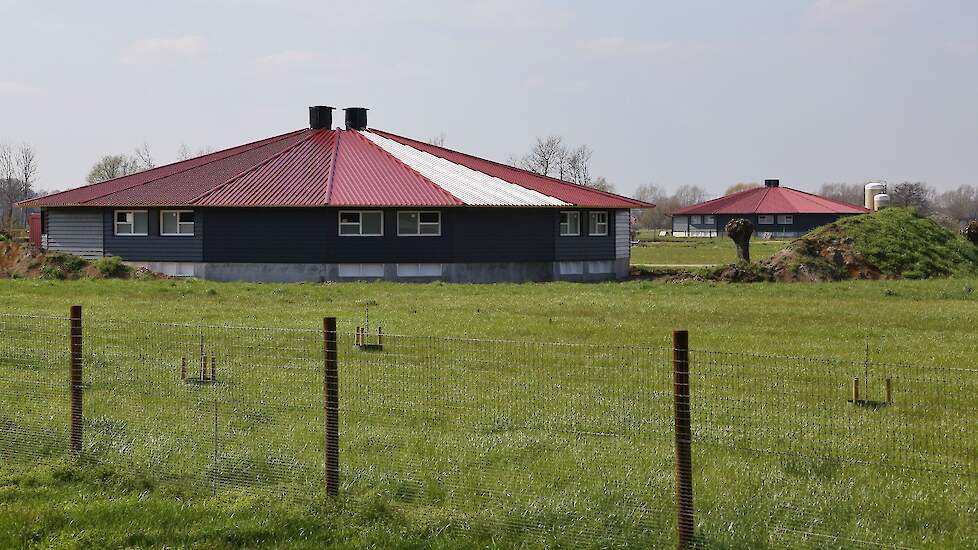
(497, 436)
(698, 251)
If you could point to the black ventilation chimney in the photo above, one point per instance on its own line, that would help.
(772, 183)
(356, 118)
(320, 116)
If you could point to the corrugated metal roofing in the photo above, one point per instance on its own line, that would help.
(569, 193)
(772, 200)
(471, 186)
(297, 176)
(366, 175)
(172, 184)
(335, 167)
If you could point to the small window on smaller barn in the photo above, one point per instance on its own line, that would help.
(695, 220)
(597, 224)
(418, 223)
(765, 219)
(570, 223)
(709, 220)
(361, 223)
(131, 223)
(177, 223)
(786, 220)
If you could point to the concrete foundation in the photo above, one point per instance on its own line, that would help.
(495, 272)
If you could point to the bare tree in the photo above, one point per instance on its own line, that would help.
(576, 166)
(687, 195)
(186, 153)
(917, 195)
(602, 184)
(650, 218)
(546, 157)
(439, 140)
(852, 193)
(959, 204)
(741, 186)
(143, 157)
(115, 166)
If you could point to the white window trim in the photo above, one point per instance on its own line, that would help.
(340, 224)
(786, 219)
(709, 220)
(178, 212)
(419, 233)
(560, 230)
(591, 231)
(116, 222)
(761, 217)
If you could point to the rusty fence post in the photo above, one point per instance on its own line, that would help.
(684, 436)
(331, 403)
(75, 380)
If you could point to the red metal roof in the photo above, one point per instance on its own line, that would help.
(578, 195)
(173, 184)
(335, 167)
(772, 200)
(366, 175)
(297, 176)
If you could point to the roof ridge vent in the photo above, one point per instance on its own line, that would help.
(356, 118)
(320, 116)
(772, 183)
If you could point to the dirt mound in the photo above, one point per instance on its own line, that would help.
(19, 261)
(814, 259)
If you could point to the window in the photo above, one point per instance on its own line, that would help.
(415, 223)
(362, 223)
(786, 220)
(177, 223)
(597, 223)
(765, 219)
(709, 220)
(695, 220)
(131, 222)
(570, 224)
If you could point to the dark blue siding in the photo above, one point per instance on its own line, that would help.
(310, 235)
(275, 235)
(803, 223)
(584, 246)
(154, 247)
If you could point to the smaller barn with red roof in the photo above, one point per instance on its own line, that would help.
(775, 211)
(324, 204)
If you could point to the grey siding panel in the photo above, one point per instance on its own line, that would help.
(584, 246)
(154, 247)
(623, 222)
(76, 231)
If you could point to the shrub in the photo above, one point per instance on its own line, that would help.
(111, 266)
(68, 262)
(52, 271)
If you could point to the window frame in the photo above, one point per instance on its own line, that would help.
(592, 224)
(762, 217)
(131, 222)
(340, 223)
(560, 223)
(709, 219)
(193, 224)
(786, 219)
(420, 223)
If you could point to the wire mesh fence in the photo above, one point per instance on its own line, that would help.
(518, 442)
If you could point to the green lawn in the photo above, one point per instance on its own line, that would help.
(698, 251)
(458, 442)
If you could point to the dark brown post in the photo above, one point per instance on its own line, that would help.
(331, 403)
(183, 368)
(75, 380)
(889, 390)
(855, 390)
(380, 336)
(213, 368)
(684, 436)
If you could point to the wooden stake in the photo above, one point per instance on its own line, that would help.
(889, 390)
(684, 436)
(213, 368)
(183, 368)
(75, 379)
(331, 407)
(855, 390)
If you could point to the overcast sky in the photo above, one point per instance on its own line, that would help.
(706, 93)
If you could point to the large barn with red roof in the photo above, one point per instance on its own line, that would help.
(325, 204)
(775, 211)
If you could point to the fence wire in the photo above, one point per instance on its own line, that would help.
(514, 442)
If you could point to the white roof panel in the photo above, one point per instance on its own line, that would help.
(469, 186)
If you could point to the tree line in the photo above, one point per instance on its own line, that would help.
(18, 170)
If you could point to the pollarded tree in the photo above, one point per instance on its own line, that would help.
(740, 230)
(970, 231)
